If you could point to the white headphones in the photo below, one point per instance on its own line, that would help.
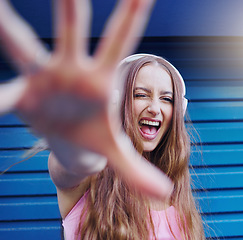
(172, 69)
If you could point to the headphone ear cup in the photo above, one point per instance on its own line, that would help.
(184, 105)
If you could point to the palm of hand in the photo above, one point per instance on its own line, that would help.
(67, 100)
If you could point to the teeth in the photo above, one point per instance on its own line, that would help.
(151, 123)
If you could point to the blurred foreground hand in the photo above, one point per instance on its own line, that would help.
(67, 93)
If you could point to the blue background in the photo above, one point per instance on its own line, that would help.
(204, 40)
(169, 17)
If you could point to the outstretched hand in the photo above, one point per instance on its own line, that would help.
(67, 93)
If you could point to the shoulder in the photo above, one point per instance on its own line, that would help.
(72, 220)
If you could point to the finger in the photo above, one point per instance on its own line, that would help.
(11, 93)
(21, 43)
(139, 172)
(123, 31)
(72, 27)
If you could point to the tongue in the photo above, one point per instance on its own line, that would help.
(148, 129)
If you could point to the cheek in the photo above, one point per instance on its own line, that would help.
(137, 108)
(169, 114)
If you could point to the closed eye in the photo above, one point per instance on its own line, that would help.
(140, 95)
(167, 99)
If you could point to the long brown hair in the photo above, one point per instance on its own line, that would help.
(115, 211)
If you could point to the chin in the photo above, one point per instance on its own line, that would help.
(149, 147)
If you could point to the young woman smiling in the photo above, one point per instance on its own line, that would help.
(153, 109)
(152, 112)
(107, 188)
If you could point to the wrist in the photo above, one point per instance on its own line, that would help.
(75, 159)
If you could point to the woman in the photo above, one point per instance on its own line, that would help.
(104, 206)
(83, 135)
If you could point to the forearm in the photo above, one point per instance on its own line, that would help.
(69, 165)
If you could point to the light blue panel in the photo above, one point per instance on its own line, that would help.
(220, 201)
(218, 178)
(217, 155)
(218, 132)
(26, 184)
(216, 111)
(35, 163)
(229, 238)
(38, 230)
(225, 225)
(30, 208)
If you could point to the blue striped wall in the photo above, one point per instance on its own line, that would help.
(28, 202)
(213, 71)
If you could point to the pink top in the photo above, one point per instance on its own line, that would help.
(162, 231)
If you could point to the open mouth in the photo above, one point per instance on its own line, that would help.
(149, 128)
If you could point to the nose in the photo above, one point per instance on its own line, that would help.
(154, 108)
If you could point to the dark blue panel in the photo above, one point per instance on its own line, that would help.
(10, 119)
(169, 18)
(38, 13)
(219, 92)
(193, 18)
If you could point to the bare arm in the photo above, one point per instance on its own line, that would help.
(70, 187)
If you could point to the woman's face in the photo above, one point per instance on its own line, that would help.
(153, 104)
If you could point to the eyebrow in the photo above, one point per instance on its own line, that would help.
(142, 88)
(149, 91)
